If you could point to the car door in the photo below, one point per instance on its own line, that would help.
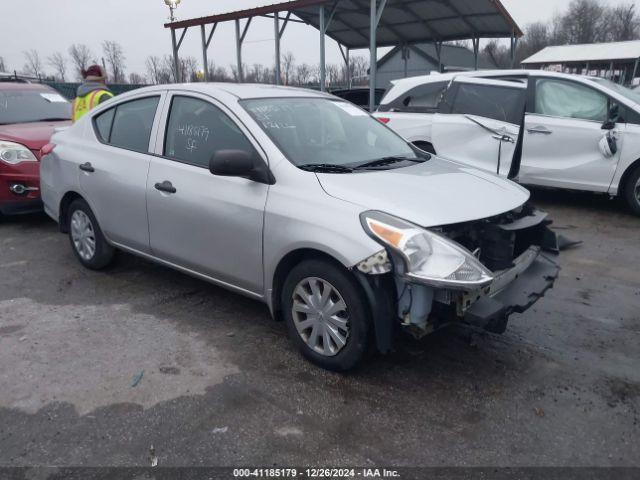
(205, 223)
(113, 177)
(563, 128)
(478, 122)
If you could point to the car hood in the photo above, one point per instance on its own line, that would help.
(34, 135)
(433, 193)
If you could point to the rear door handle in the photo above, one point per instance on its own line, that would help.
(165, 186)
(86, 167)
(541, 130)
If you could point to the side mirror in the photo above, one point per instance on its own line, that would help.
(240, 163)
(612, 118)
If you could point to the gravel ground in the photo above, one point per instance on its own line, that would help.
(97, 367)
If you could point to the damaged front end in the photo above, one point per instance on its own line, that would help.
(477, 272)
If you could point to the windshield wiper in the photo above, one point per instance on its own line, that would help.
(381, 162)
(325, 167)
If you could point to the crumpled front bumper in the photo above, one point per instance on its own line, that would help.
(492, 311)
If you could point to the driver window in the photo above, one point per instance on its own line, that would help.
(197, 129)
(558, 98)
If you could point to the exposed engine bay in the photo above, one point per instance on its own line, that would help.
(517, 247)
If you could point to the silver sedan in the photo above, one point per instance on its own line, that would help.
(303, 201)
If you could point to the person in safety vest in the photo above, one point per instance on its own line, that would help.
(92, 92)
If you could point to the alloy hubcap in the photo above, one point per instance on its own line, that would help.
(82, 234)
(320, 316)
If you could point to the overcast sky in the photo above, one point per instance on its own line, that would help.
(49, 26)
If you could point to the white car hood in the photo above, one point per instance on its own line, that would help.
(436, 192)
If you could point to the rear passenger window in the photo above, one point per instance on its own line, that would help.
(490, 101)
(103, 124)
(421, 99)
(129, 124)
(197, 129)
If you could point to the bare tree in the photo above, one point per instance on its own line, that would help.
(154, 68)
(217, 73)
(168, 69)
(623, 23)
(33, 64)
(189, 69)
(80, 57)
(360, 70)
(59, 64)
(584, 22)
(303, 74)
(115, 58)
(287, 62)
(136, 79)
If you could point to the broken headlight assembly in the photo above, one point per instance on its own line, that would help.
(429, 258)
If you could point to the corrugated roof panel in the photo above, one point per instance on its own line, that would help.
(591, 52)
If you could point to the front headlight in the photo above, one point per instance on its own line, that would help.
(14, 153)
(429, 258)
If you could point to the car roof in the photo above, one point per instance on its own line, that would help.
(239, 90)
(36, 87)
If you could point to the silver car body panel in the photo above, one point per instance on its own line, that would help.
(235, 232)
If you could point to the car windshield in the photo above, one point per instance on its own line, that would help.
(23, 106)
(333, 134)
(633, 95)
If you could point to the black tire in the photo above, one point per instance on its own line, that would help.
(357, 309)
(104, 253)
(630, 190)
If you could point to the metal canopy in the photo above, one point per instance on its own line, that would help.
(370, 24)
(402, 21)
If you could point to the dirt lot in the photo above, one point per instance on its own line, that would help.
(221, 384)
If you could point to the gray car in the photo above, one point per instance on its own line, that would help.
(303, 201)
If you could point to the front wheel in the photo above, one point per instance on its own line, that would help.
(87, 241)
(327, 315)
(632, 190)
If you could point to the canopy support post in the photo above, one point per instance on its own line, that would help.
(375, 14)
(205, 45)
(405, 59)
(476, 47)
(276, 29)
(514, 45)
(322, 59)
(345, 56)
(239, 40)
(176, 61)
(635, 69)
(439, 55)
(238, 51)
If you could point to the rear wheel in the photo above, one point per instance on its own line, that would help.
(87, 241)
(326, 314)
(632, 190)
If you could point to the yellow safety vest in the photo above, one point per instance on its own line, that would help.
(82, 105)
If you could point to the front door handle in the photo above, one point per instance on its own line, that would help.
(541, 130)
(87, 167)
(504, 138)
(165, 186)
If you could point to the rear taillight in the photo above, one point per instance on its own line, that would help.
(384, 120)
(47, 149)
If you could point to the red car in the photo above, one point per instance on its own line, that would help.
(28, 115)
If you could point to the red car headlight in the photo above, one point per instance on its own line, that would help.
(14, 153)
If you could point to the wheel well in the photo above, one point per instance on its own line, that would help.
(64, 207)
(289, 261)
(623, 180)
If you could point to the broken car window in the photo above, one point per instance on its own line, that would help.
(490, 101)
